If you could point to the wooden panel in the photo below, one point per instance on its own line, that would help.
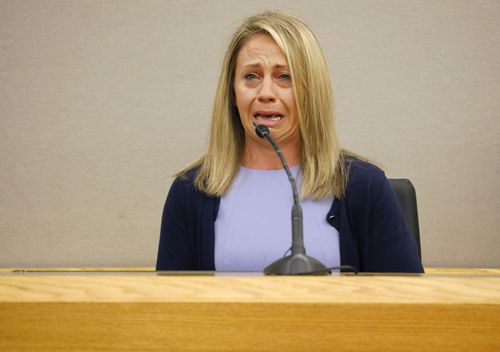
(149, 287)
(493, 271)
(247, 327)
(145, 312)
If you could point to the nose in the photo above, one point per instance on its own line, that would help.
(266, 93)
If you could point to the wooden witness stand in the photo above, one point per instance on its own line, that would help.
(141, 311)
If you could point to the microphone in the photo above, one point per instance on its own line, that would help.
(297, 263)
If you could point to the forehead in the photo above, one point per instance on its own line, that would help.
(261, 47)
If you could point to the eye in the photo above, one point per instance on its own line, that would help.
(250, 76)
(285, 76)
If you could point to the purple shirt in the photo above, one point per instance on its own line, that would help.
(253, 226)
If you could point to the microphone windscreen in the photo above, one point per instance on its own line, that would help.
(261, 131)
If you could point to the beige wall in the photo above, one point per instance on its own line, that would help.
(102, 101)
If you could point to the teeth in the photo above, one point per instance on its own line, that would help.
(268, 117)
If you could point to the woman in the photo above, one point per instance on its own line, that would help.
(230, 210)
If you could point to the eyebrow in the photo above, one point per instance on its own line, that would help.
(258, 64)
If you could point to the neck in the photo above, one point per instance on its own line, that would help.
(259, 154)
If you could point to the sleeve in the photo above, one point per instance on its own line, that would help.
(392, 249)
(175, 250)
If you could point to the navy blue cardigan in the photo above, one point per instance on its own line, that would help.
(372, 230)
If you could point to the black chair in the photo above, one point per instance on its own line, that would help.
(408, 200)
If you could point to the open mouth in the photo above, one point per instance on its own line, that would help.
(260, 116)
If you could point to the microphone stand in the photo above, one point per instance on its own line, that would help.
(297, 263)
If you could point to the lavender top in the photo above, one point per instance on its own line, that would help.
(253, 226)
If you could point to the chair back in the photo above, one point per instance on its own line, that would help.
(408, 200)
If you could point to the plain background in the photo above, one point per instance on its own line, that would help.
(101, 102)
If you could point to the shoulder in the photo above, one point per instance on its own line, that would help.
(367, 185)
(184, 190)
(185, 180)
(364, 177)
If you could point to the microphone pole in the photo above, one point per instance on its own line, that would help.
(298, 262)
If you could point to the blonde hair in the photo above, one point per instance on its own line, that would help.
(324, 170)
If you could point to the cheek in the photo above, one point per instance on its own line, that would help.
(237, 95)
(242, 101)
(290, 102)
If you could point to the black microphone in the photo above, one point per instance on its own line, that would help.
(298, 263)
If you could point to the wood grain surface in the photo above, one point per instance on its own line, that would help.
(494, 271)
(149, 287)
(146, 312)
